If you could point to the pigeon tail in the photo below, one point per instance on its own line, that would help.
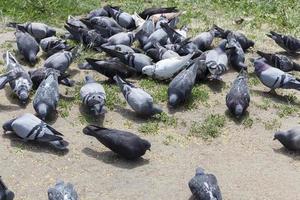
(264, 55)
(7, 77)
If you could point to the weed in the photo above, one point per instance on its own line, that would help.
(248, 122)
(150, 127)
(156, 89)
(112, 96)
(265, 105)
(166, 119)
(210, 128)
(286, 110)
(200, 93)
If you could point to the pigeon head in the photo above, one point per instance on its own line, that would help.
(32, 58)
(23, 95)
(275, 36)
(260, 65)
(238, 111)
(200, 171)
(146, 145)
(223, 44)
(54, 194)
(50, 32)
(280, 135)
(156, 109)
(10, 195)
(148, 70)
(43, 110)
(173, 100)
(98, 109)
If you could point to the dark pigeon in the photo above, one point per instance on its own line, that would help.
(152, 11)
(235, 53)
(281, 62)
(5, 193)
(289, 139)
(126, 144)
(204, 186)
(289, 43)
(52, 45)
(238, 98)
(124, 19)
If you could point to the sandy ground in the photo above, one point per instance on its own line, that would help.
(247, 162)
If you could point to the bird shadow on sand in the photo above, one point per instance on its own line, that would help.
(277, 98)
(90, 118)
(13, 99)
(237, 120)
(111, 158)
(33, 146)
(292, 154)
(9, 108)
(131, 115)
(216, 85)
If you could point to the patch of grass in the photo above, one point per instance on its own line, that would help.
(64, 108)
(286, 110)
(87, 119)
(265, 104)
(253, 80)
(112, 96)
(168, 140)
(200, 93)
(155, 88)
(273, 124)
(65, 104)
(248, 122)
(166, 119)
(149, 128)
(210, 128)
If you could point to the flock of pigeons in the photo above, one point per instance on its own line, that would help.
(164, 53)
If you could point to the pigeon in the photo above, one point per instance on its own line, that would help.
(152, 11)
(121, 38)
(289, 43)
(204, 40)
(5, 193)
(181, 86)
(204, 186)
(100, 12)
(8, 77)
(27, 46)
(183, 31)
(62, 191)
(274, 78)
(126, 144)
(136, 60)
(93, 96)
(172, 34)
(157, 36)
(121, 48)
(104, 25)
(139, 100)
(75, 22)
(22, 85)
(52, 45)
(162, 20)
(240, 37)
(202, 72)
(144, 31)
(238, 98)
(29, 127)
(73, 26)
(167, 68)
(236, 53)
(61, 60)
(159, 53)
(281, 62)
(216, 60)
(109, 68)
(37, 30)
(47, 95)
(124, 19)
(289, 139)
(38, 75)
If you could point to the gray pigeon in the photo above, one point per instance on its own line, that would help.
(236, 53)
(204, 186)
(62, 191)
(181, 86)
(139, 100)
(29, 127)
(289, 43)
(22, 85)
(216, 60)
(47, 95)
(27, 46)
(121, 48)
(205, 39)
(8, 77)
(274, 78)
(52, 45)
(281, 62)
(121, 38)
(289, 139)
(93, 96)
(124, 19)
(167, 68)
(61, 60)
(238, 98)
(159, 52)
(159, 35)
(161, 20)
(136, 60)
(97, 13)
(5, 193)
(37, 30)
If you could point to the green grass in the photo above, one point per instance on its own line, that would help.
(200, 94)
(286, 110)
(149, 128)
(166, 119)
(210, 128)
(248, 122)
(113, 98)
(264, 105)
(155, 88)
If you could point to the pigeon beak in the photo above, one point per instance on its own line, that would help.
(269, 35)
(274, 138)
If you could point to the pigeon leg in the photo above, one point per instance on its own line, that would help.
(272, 91)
